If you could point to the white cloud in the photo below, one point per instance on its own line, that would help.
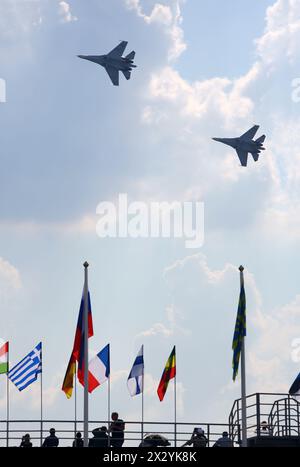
(10, 278)
(65, 12)
(169, 18)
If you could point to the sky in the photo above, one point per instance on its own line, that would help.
(71, 140)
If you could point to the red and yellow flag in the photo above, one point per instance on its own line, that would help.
(68, 383)
(168, 374)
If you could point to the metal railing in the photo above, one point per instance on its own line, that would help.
(284, 417)
(11, 432)
(271, 414)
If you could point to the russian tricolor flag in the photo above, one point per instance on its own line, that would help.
(99, 369)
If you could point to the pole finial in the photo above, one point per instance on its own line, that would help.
(241, 268)
(86, 264)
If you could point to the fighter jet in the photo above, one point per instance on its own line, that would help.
(113, 62)
(245, 144)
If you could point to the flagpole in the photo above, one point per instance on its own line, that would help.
(86, 358)
(7, 400)
(75, 400)
(175, 404)
(108, 408)
(41, 386)
(243, 378)
(143, 388)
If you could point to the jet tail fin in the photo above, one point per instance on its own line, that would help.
(261, 139)
(130, 56)
(126, 73)
(255, 156)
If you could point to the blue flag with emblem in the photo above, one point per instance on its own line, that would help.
(239, 332)
(27, 370)
(135, 381)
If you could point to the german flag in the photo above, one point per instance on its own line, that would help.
(168, 373)
(68, 383)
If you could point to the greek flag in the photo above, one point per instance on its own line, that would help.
(135, 382)
(27, 370)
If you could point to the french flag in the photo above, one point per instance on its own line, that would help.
(99, 369)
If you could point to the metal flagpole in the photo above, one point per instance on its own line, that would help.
(243, 378)
(175, 404)
(86, 358)
(75, 400)
(7, 400)
(41, 385)
(108, 408)
(143, 388)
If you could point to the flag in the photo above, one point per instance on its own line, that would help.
(4, 358)
(68, 383)
(135, 381)
(27, 370)
(295, 388)
(239, 332)
(78, 348)
(168, 373)
(99, 369)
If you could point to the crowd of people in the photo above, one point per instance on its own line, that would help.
(103, 437)
(113, 436)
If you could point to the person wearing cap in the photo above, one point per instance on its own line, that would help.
(100, 439)
(198, 439)
(224, 442)
(52, 440)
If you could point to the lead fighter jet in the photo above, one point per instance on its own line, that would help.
(245, 144)
(113, 62)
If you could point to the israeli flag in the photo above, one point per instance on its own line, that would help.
(295, 388)
(135, 381)
(27, 370)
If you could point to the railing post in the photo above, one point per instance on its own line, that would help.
(258, 422)
(208, 434)
(7, 433)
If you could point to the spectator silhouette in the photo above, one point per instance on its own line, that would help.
(224, 441)
(52, 440)
(26, 443)
(100, 439)
(116, 429)
(78, 441)
(198, 439)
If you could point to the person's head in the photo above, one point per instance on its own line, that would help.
(78, 435)
(26, 437)
(52, 431)
(103, 429)
(114, 416)
(198, 431)
(225, 434)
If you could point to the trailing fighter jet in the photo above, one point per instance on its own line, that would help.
(245, 144)
(113, 62)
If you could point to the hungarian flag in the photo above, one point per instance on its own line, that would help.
(4, 358)
(168, 374)
(68, 383)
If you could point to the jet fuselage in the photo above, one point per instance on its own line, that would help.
(122, 64)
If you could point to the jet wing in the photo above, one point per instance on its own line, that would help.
(250, 133)
(118, 51)
(243, 156)
(113, 73)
